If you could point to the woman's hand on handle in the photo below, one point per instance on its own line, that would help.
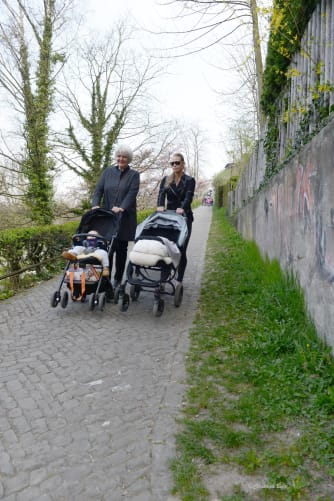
(160, 209)
(117, 209)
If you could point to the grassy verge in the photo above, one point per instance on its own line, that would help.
(258, 418)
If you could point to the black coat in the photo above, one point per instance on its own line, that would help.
(178, 196)
(119, 189)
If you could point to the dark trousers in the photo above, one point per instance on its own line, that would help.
(183, 261)
(120, 250)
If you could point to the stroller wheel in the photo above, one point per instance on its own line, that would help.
(158, 307)
(124, 304)
(116, 294)
(110, 294)
(134, 292)
(64, 299)
(102, 301)
(55, 298)
(93, 301)
(178, 295)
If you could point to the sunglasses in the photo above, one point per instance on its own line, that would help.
(175, 163)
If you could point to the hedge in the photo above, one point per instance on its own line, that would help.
(34, 253)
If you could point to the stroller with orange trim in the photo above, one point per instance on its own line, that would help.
(83, 277)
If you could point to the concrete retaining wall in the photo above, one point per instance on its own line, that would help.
(292, 219)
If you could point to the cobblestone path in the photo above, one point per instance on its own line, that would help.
(88, 399)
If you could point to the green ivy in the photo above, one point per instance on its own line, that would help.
(288, 24)
(270, 144)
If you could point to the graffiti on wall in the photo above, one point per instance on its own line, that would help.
(309, 205)
(304, 198)
(299, 194)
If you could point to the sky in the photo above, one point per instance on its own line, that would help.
(187, 92)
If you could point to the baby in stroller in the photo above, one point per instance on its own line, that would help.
(87, 268)
(155, 257)
(93, 246)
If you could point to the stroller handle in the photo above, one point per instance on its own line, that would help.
(170, 211)
(100, 237)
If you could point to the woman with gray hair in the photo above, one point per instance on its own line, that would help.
(118, 187)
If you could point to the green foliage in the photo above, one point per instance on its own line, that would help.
(222, 191)
(227, 176)
(143, 214)
(103, 128)
(271, 148)
(37, 106)
(224, 182)
(260, 396)
(38, 247)
(315, 117)
(288, 23)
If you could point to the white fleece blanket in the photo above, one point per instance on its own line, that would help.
(150, 252)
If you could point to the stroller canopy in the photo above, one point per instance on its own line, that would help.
(166, 224)
(105, 222)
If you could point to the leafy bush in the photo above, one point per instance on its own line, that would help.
(36, 248)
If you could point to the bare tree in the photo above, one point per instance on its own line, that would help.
(211, 22)
(242, 138)
(153, 161)
(193, 146)
(107, 101)
(28, 63)
(243, 99)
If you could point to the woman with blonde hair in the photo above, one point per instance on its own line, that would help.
(178, 189)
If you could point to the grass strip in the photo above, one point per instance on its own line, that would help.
(260, 399)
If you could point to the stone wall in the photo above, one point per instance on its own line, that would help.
(292, 219)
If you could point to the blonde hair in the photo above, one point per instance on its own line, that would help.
(170, 178)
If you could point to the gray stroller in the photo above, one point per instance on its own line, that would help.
(155, 256)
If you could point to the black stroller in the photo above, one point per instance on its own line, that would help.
(155, 256)
(84, 277)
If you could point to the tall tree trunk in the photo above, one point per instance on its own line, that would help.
(27, 63)
(258, 59)
(39, 197)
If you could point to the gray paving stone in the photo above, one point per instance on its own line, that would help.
(29, 494)
(21, 425)
(89, 399)
(9, 437)
(4, 423)
(15, 484)
(37, 476)
(6, 466)
(11, 497)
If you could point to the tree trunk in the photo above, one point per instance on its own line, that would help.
(258, 59)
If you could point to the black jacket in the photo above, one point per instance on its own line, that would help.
(120, 189)
(179, 196)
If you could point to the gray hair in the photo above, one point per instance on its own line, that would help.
(122, 149)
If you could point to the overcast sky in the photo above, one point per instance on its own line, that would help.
(187, 91)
